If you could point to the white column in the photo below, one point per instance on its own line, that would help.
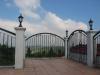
(24, 48)
(66, 48)
(20, 47)
(90, 51)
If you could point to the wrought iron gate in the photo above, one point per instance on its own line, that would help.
(77, 46)
(45, 45)
(7, 48)
(96, 42)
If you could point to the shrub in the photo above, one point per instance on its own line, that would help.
(28, 53)
(7, 55)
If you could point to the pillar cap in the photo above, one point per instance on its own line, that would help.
(91, 31)
(20, 28)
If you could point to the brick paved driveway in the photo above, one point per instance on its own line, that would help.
(53, 66)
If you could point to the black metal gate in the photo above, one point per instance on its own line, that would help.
(45, 45)
(77, 46)
(96, 42)
(7, 48)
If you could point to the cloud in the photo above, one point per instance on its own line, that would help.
(7, 3)
(28, 7)
(55, 24)
(23, 4)
(10, 26)
(7, 24)
(37, 19)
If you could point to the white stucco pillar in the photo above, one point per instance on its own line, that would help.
(24, 53)
(90, 51)
(20, 47)
(66, 45)
(66, 48)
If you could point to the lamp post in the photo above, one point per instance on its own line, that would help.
(20, 18)
(91, 24)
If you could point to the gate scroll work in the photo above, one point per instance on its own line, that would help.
(7, 48)
(77, 46)
(96, 42)
(45, 45)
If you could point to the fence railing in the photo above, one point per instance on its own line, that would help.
(7, 48)
(96, 42)
(49, 45)
(77, 46)
(45, 45)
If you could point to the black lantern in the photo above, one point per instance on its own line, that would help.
(91, 24)
(66, 33)
(20, 18)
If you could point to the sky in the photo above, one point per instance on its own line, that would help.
(54, 16)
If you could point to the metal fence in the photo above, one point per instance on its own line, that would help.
(7, 48)
(96, 42)
(77, 46)
(45, 45)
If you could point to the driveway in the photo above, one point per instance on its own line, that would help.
(51, 66)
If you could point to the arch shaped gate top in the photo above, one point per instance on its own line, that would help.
(45, 45)
(7, 48)
(96, 42)
(77, 46)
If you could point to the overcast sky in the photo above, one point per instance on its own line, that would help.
(53, 16)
